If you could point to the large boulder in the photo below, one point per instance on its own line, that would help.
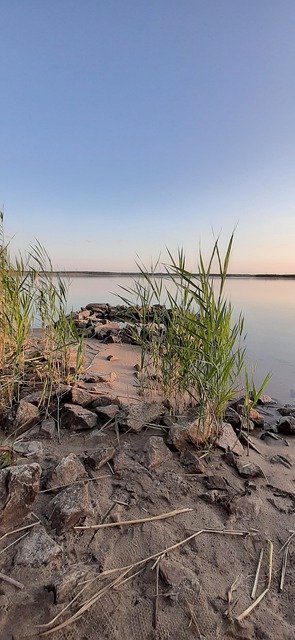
(75, 417)
(19, 487)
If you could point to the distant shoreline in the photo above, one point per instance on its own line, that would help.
(128, 274)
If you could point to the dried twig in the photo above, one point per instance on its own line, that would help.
(12, 581)
(120, 523)
(64, 486)
(14, 542)
(284, 567)
(10, 533)
(286, 544)
(156, 597)
(263, 594)
(253, 593)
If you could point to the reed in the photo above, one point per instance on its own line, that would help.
(28, 294)
(194, 352)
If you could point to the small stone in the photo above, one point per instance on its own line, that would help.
(192, 462)
(287, 410)
(156, 452)
(97, 459)
(67, 471)
(248, 469)
(264, 399)
(215, 482)
(107, 413)
(286, 425)
(228, 440)
(69, 507)
(105, 401)
(178, 438)
(19, 486)
(112, 358)
(246, 507)
(179, 578)
(81, 396)
(26, 416)
(37, 548)
(48, 429)
(64, 584)
(31, 449)
(75, 417)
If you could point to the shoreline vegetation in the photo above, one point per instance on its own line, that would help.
(163, 274)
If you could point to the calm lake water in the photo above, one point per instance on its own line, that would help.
(269, 310)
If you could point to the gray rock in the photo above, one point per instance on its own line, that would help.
(248, 469)
(286, 425)
(75, 417)
(37, 548)
(108, 412)
(68, 470)
(97, 459)
(139, 415)
(69, 507)
(26, 416)
(228, 440)
(156, 452)
(48, 429)
(19, 486)
(287, 410)
(81, 396)
(29, 449)
(192, 462)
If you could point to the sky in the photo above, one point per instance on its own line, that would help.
(130, 125)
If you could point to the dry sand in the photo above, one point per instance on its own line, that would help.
(193, 582)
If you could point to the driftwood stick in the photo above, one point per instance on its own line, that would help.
(120, 523)
(12, 581)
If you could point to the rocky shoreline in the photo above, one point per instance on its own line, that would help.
(106, 497)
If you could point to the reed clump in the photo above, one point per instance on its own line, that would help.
(194, 352)
(29, 297)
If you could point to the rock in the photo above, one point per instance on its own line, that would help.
(19, 486)
(287, 410)
(286, 461)
(286, 425)
(215, 482)
(108, 412)
(69, 507)
(228, 440)
(248, 469)
(105, 401)
(246, 507)
(156, 452)
(112, 358)
(75, 417)
(97, 459)
(98, 307)
(48, 429)
(179, 578)
(27, 415)
(61, 391)
(177, 435)
(64, 584)
(137, 416)
(192, 462)
(264, 399)
(37, 548)
(81, 396)
(67, 471)
(256, 417)
(30, 449)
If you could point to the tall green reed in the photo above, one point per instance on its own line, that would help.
(196, 349)
(27, 292)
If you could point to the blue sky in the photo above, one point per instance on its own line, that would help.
(128, 125)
